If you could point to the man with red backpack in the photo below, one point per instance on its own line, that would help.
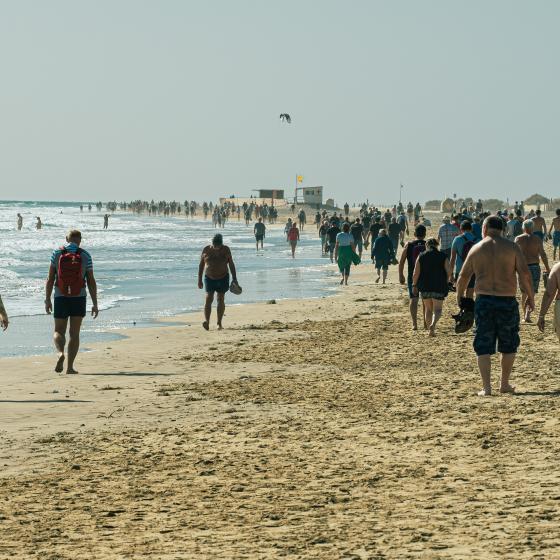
(409, 255)
(460, 248)
(70, 271)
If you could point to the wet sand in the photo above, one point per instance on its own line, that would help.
(308, 429)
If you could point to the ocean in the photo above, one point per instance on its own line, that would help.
(145, 267)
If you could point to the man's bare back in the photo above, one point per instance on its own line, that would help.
(495, 262)
(531, 246)
(556, 223)
(539, 225)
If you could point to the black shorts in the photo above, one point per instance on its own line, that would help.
(65, 307)
(221, 285)
(259, 237)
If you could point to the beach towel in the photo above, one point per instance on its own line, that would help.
(346, 257)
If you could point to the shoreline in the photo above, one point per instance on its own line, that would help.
(26, 336)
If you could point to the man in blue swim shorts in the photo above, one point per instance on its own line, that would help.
(496, 262)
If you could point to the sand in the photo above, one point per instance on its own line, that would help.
(321, 428)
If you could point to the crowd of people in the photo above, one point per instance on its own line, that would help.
(483, 257)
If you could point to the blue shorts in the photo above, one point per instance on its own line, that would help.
(539, 234)
(556, 238)
(65, 307)
(359, 243)
(409, 284)
(221, 285)
(496, 321)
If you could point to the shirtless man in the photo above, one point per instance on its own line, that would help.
(19, 222)
(539, 225)
(552, 293)
(556, 235)
(532, 248)
(214, 263)
(260, 231)
(496, 262)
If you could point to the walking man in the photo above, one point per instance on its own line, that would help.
(496, 262)
(532, 247)
(214, 263)
(446, 234)
(357, 231)
(259, 231)
(555, 225)
(70, 271)
(409, 255)
(552, 293)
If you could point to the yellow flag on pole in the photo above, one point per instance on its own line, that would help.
(300, 178)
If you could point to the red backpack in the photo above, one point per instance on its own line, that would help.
(69, 275)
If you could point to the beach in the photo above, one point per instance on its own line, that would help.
(311, 428)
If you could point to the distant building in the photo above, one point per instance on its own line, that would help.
(311, 195)
(276, 194)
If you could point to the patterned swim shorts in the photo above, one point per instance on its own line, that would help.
(496, 320)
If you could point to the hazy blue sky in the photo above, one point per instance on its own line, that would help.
(180, 99)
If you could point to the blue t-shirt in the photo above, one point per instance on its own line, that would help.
(458, 245)
(87, 265)
(477, 231)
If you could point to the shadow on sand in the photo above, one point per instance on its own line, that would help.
(46, 401)
(555, 393)
(132, 374)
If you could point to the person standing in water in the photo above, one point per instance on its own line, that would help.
(39, 223)
(19, 221)
(259, 231)
(293, 238)
(215, 261)
(106, 221)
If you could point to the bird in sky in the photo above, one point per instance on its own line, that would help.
(286, 118)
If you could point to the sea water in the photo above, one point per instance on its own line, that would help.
(145, 266)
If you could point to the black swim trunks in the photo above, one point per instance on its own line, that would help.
(221, 285)
(65, 307)
(496, 321)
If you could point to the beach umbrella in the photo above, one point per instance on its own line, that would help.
(286, 118)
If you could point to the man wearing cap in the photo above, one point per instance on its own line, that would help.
(497, 263)
(214, 263)
(446, 234)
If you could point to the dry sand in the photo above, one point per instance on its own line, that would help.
(308, 429)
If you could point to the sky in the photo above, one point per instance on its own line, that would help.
(180, 99)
